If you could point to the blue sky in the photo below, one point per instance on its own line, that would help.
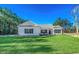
(42, 13)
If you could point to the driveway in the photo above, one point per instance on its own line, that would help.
(72, 34)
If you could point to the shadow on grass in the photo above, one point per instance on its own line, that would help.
(23, 40)
(28, 50)
(31, 36)
(32, 40)
(40, 49)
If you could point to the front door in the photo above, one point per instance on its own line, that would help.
(49, 31)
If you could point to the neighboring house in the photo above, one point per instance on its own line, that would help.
(30, 28)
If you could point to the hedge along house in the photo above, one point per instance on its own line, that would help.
(29, 28)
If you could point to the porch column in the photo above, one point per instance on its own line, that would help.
(53, 32)
(61, 31)
(47, 31)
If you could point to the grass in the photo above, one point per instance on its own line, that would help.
(39, 44)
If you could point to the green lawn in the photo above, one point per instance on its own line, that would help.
(40, 44)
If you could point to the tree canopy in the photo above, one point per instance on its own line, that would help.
(65, 23)
(9, 21)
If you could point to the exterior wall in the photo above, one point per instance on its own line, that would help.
(36, 31)
(52, 32)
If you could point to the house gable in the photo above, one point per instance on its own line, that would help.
(27, 24)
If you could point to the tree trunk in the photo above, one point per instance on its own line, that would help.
(76, 24)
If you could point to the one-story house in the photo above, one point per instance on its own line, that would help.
(29, 28)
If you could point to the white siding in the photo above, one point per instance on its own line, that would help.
(36, 30)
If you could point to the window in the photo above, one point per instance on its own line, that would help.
(57, 31)
(43, 31)
(29, 31)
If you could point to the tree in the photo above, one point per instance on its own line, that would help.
(75, 14)
(65, 23)
(59, 21)
(9, 21)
